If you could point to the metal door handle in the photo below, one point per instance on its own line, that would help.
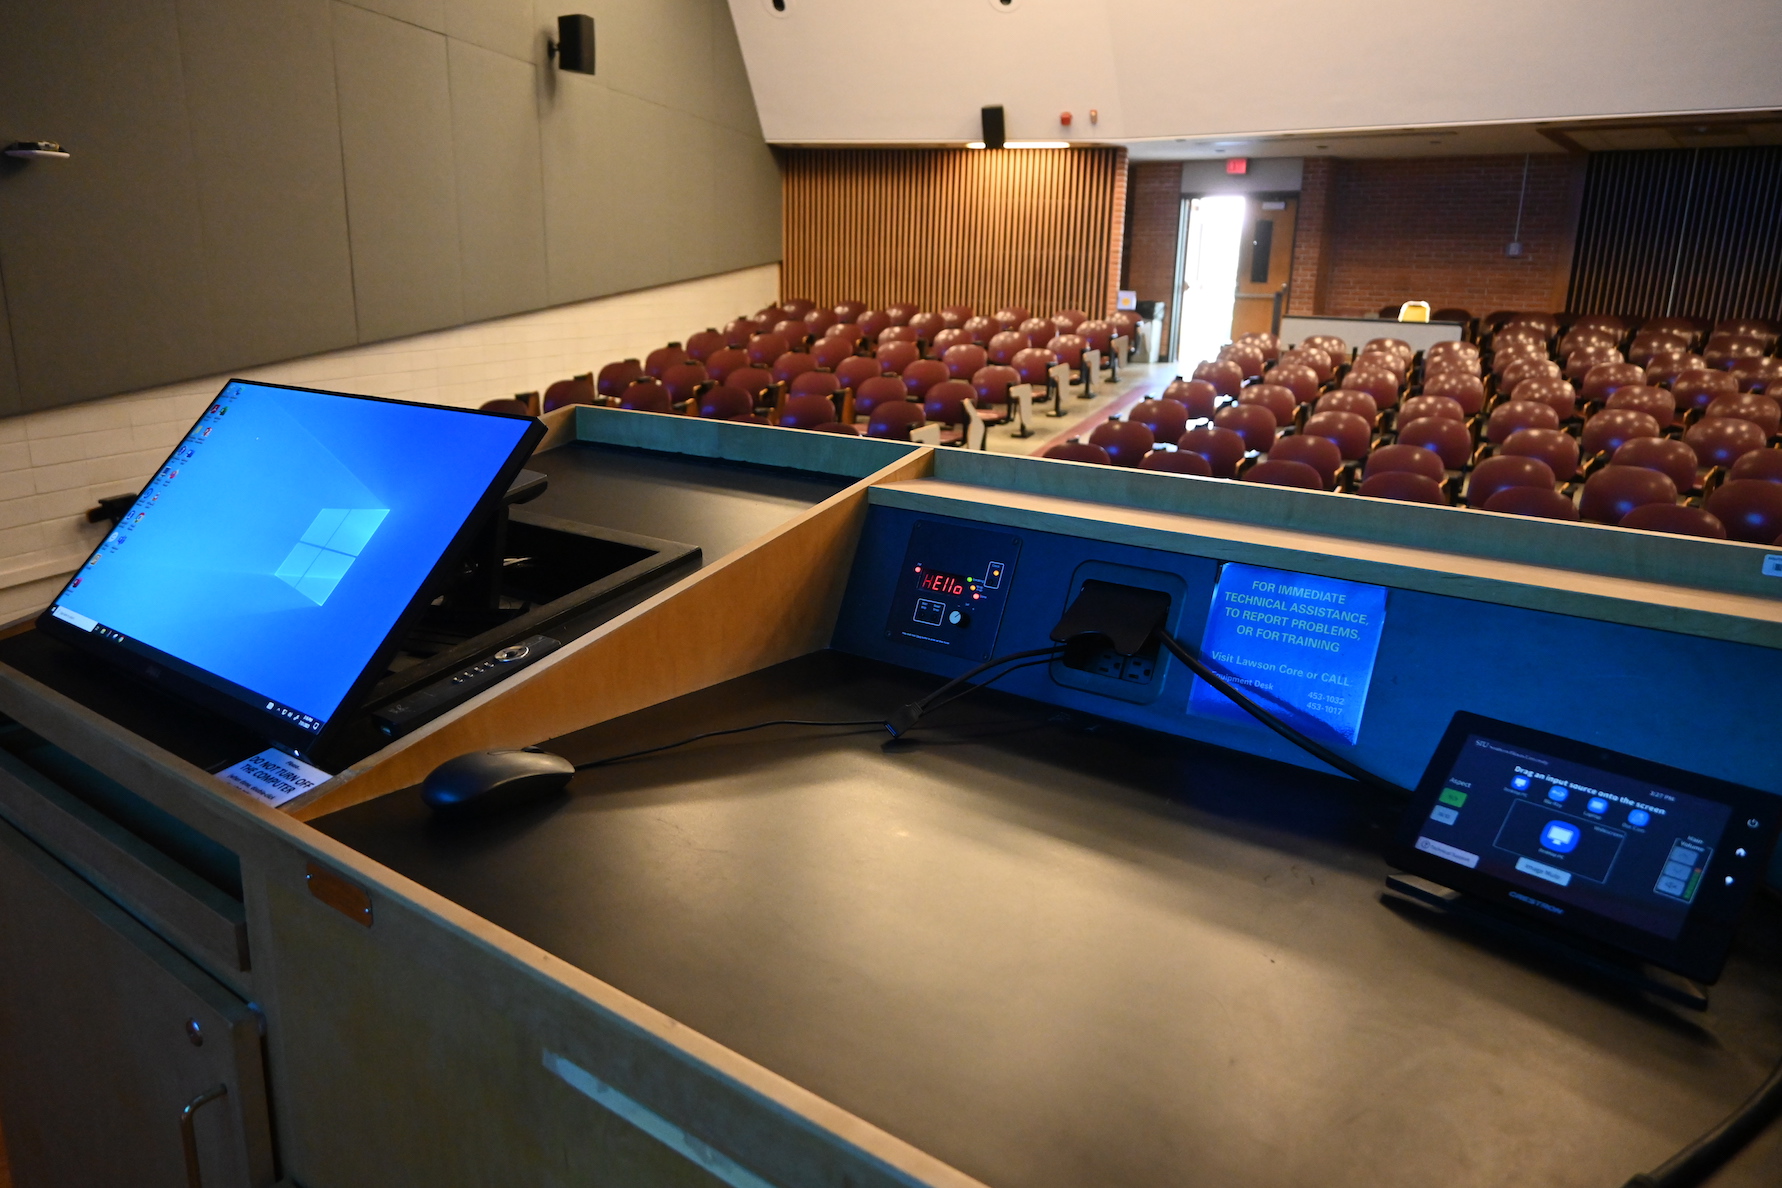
(188, 1134)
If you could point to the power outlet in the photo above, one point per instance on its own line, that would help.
(1102, 670)
(1109, 664)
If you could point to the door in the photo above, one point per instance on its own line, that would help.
(1211, 245)
(1265, 261)
(123, 1062)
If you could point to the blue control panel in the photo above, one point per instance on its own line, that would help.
(952, 589)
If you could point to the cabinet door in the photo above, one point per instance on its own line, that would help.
(114, 1046)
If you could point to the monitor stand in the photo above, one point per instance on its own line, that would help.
(1630, 972)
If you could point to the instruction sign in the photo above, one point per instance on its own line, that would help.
(1302, 647)
(274, 776)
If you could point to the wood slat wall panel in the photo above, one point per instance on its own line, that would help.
(1692, 232)
(1038, 228)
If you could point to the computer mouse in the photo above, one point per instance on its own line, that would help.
(493, 781)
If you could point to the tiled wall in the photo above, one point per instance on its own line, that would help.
(55, 465)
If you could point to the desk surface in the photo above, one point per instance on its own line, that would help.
(1055, 951)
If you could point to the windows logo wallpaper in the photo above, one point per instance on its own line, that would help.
(280, 543)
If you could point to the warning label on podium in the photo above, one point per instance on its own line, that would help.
(274, 776)
(1301, 647)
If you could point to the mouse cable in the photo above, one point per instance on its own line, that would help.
(1311, 747)
(901, 722)
(987, 682)
(1705, 1155)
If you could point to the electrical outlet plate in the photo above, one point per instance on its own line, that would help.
(1138, 679)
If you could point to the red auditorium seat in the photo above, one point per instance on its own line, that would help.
(1676, 519)
(1656, 403)
(1519, 370)
(1039, 331)
(1722, 441)
(1760, 410)
(1284, 474)
(684, 381)
(1035, 365)
(895, 356)
(1225, 376)
(1404, 486)
(1127, 325)
(907, 334)
(1613, 491)
(1723, 351)
(1177, 462)
(922, 374)
(1299, 378)
(1126, 442)
(1665, 370)
(1392, 363)
(1197, 396)
(832, 352)
(1382, 385)
(1098, 334)
(819, 322)
(1277, 399)
(513, 406)
(1512, 415)
(849, 332)
(1313, 357)
(816, 383)
(723, 362)
(738, 332)
(1431, 406)
(1267, 343)
(900, 312)
(880, 389)
(700, 346)
(1006, 345)
(1699, 387)
(1320, 453)
(1069, 348)
(662, 358)
(1758, 464)
(771, 314)
(1542, 502)
(857, 369)
(1407, 459)
(614, 379)
(797, 307)
(1558, 449)
(926, 325)
(765, 348)
(945, 341)
(873, 323)
(573, 391)
(1751, 509)
(791, 365)
(1166, 419)
(1331, 345)
(1248, 357)
(980, 329)
(1067, 320)
(724, 403)
(1350, 432)
(1683, 326)
(1613, 427)
(1077, 451)
(945, 402)
(1759, 375)
(1222, 448)
(1395, 346)
(1764, 332)
(1451, 440)
(1551, 391)
(1506, 470)
(1601, 381)
(894, 419)
(849, 311)
(955, 316)
(1468, 391)
(992, 384)
(794, 331)
(1252, 422)
(647, 395)
(1013, 315)
(965, 360)
(1348, 400)
(753, 380)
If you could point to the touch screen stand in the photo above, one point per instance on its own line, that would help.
(1636, 974)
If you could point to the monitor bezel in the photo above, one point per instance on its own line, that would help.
(239, 704)
(1699, 950)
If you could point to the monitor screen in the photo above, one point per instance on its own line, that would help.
(273, 554)
(1648, 859)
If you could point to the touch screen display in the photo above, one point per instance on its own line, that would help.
(276, 549)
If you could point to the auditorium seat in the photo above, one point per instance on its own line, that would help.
(1069, 348)
(1351, 401)
(895, 356)
(1378, 383)
(900, 312)
(1126, 442)
(1656, 403)
(723, 362)
(880, 389)
(945, 340)
(1541, 502)
(907, 334)
(1039, 331)
(1403, 485)
(1166, 419)
(753, 380)
(965, 360)
(857, 369)
(894, 419)
(1517, 370)
(1098, 334)
(1005, 346)
(1222, 448)
(738, 332)
(980, 329)
(647, 395)
(1506, 470)
(1610, 429)
(1407, 459)
(1068, 320)
(1319, 360)
(1284, 474)
(926, 325)
(922, 374)
(1513, 415)
(955, 316)
(873, 322)
(1758, 464)
(1451, 441)
(765, 348)
(1722, 441)
(1299, 378)
(685, 381)
(1010, 316)
(614, 379)
(1551, 391)
(511, 405)
(1450, 313)
(1468, 391)
(1225, 376)
(1601, 381)
(794, 331)
(1034, 365)
(700, 346)
(579, 390)
(1177, 462)
(1751, 509)
(1431, 406)
(946, 402)
(791, 365)
(1350, 432)
(1331, 345)
(849, 310)
(1320, 453)
(1275, 398)
(662, 358)
(1077, 451)
(1664, 370)
(1676, 519)
(1759, 375)
(1252, 422)
(1613, 491)
(992, 384)
(797, 307)
(817, 383)
(832, 352)
(724, 403)
(1247, 356)
(1558, 449)
(1760, 410)
(819, 321)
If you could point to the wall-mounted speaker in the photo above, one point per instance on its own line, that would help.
(993, 127)
(575, 43)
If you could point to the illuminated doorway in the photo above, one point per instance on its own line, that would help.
(1207, 293)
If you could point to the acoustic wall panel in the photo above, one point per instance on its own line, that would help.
(259, 85)
(744, 182)
(500, 192)
(103, 253)
(428, 14)
(401, 185)
(508, 27)
(1029, 227)
(1686, 232)
(9, 375)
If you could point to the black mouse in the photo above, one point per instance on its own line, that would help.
(492, 781)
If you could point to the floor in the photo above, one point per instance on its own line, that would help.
(1108, 399)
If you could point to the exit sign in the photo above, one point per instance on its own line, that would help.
(1238, 165)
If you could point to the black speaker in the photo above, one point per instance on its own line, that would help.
(575, 43)
(993, 127)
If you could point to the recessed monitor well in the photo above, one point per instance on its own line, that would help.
(266, 567)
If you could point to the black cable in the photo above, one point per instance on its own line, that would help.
(1316, 749)
(718, 733)
(986, 684)
(906, 717)
(1703, 1157)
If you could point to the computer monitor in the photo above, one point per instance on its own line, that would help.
(269, 567)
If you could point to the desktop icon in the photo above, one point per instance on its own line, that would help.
(1560, 837)
(1557, 794)
(1519, 782)
(1598, 805)
(1639, 818)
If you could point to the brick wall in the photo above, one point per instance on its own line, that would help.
(1433, 229)
(1154, 216)
(54, 465)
